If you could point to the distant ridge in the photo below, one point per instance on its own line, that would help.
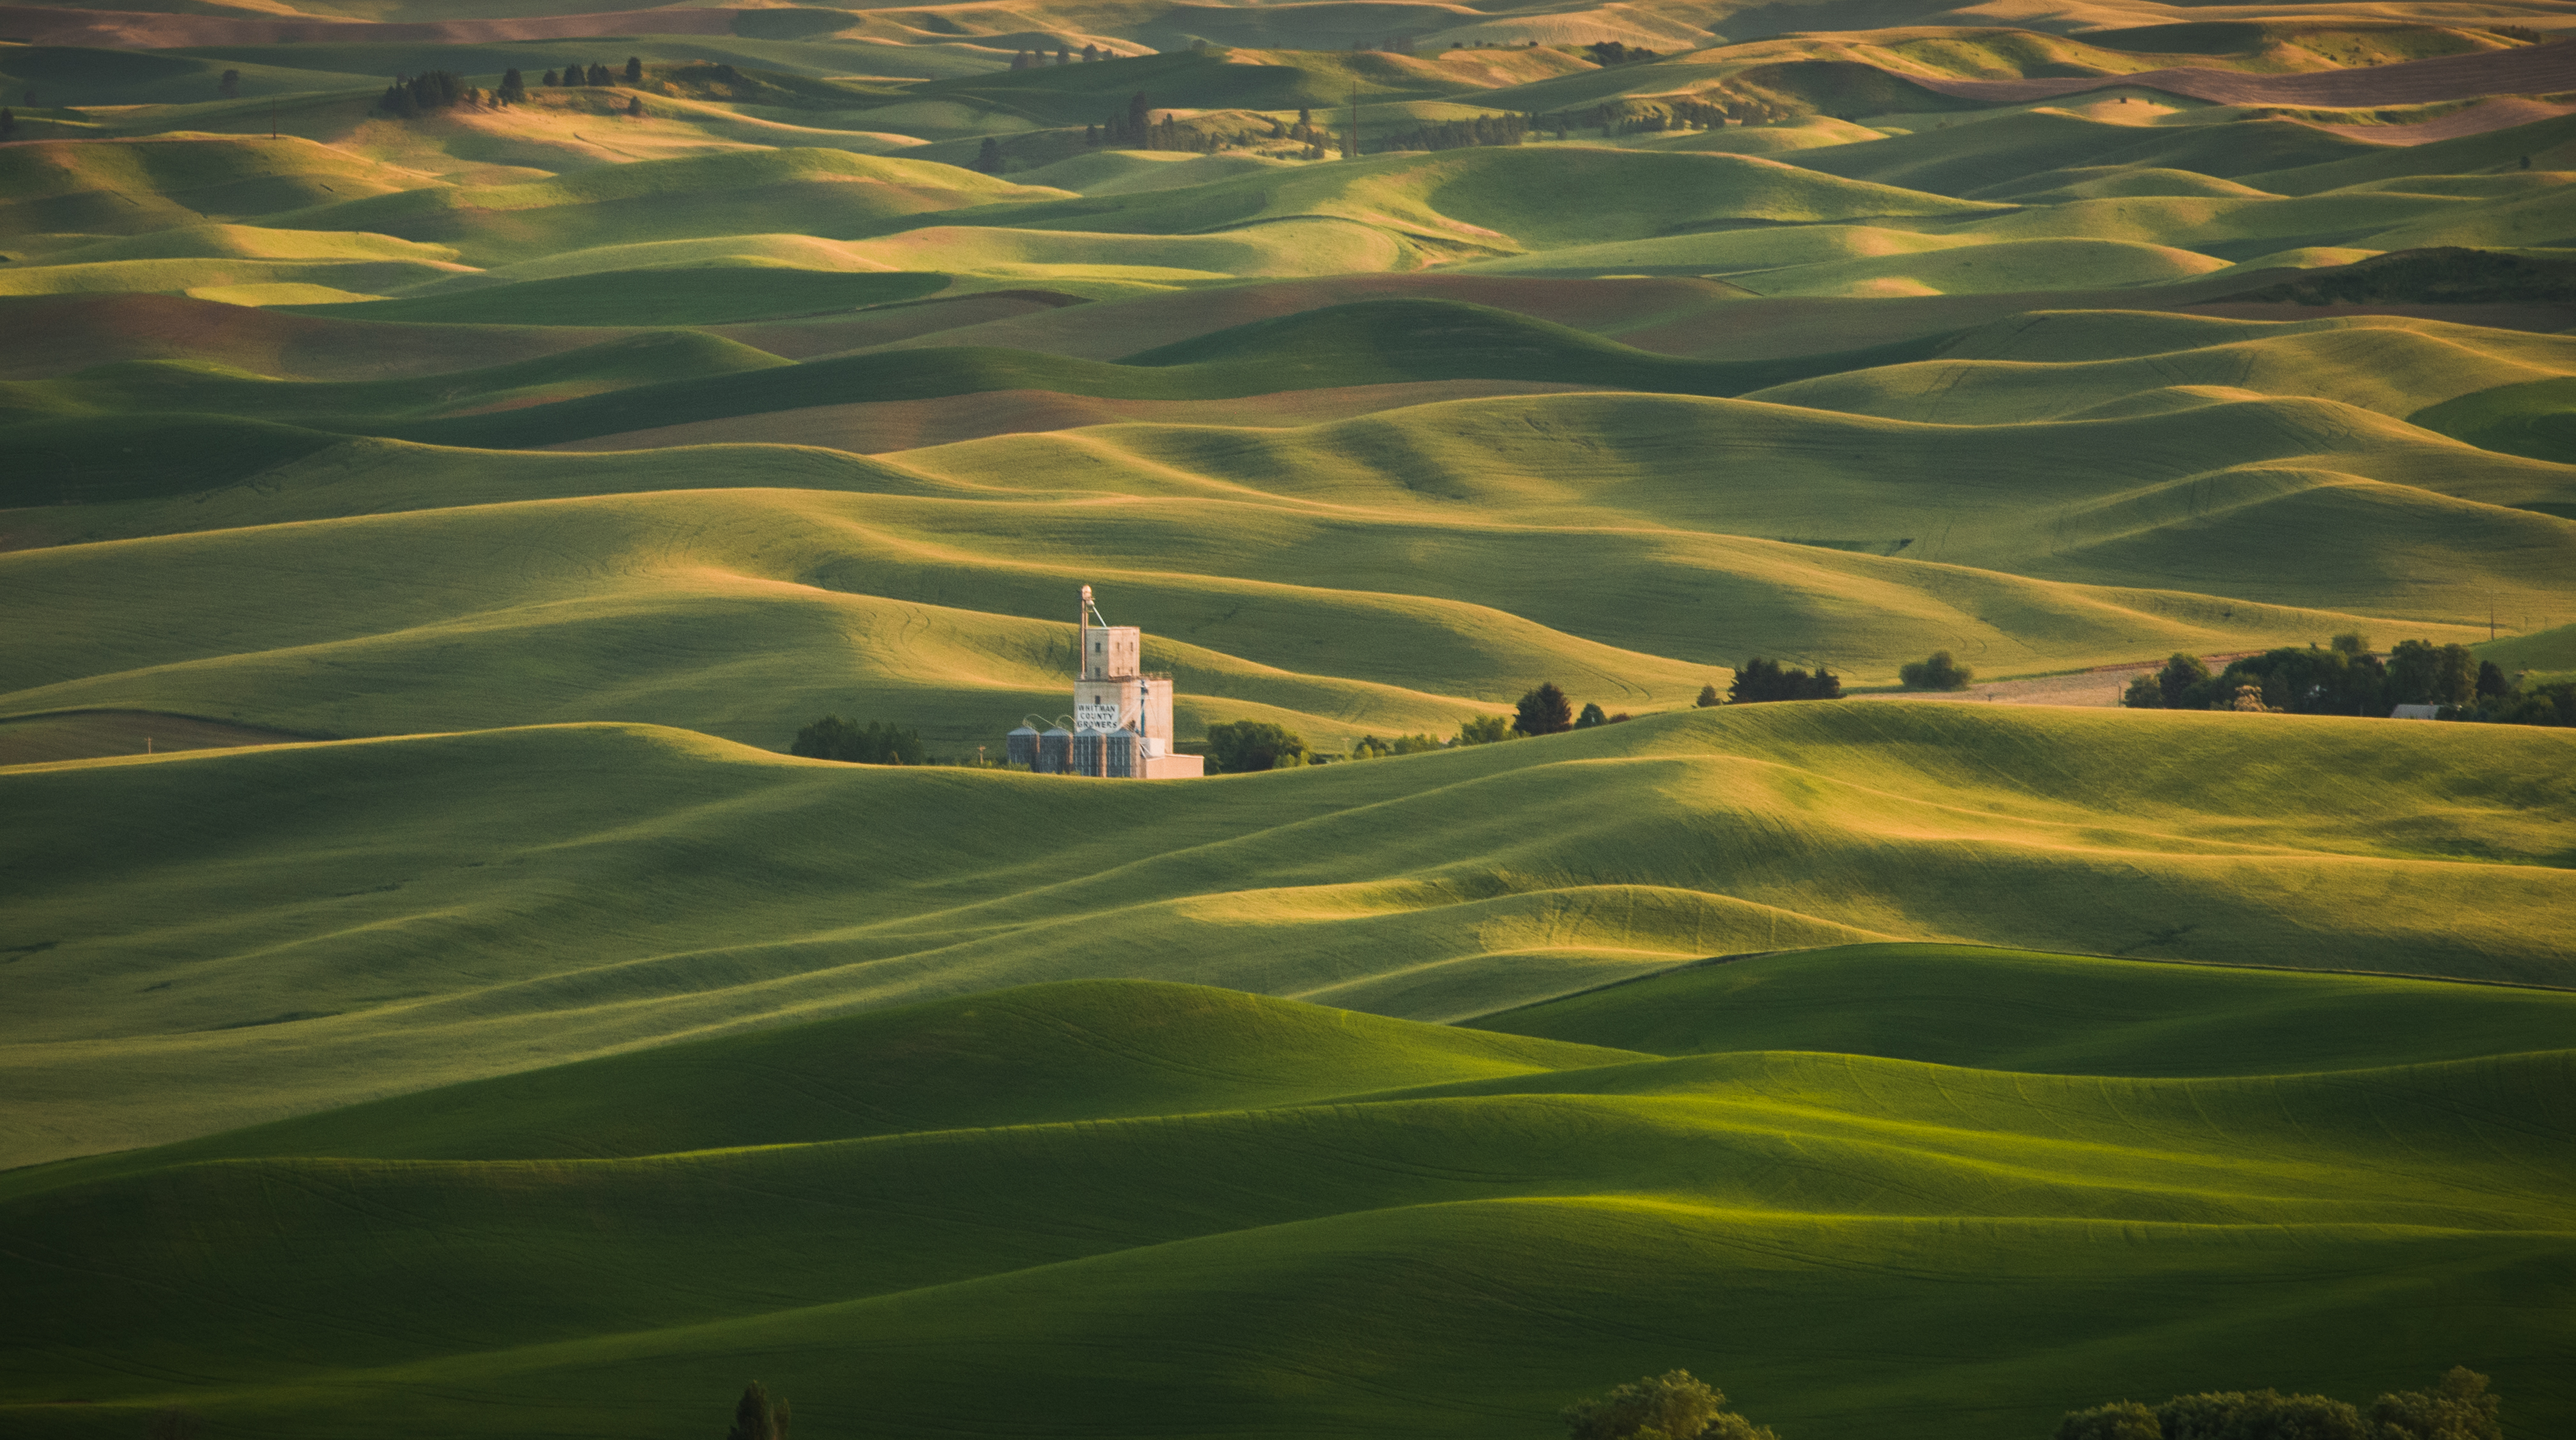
(2532, 70)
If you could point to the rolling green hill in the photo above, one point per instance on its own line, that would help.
(1344, 1223)
(2050, 1014)
(655, 884)
(460, 1019)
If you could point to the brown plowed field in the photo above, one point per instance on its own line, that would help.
(140, 30)
(2530, 70)
(2478, 119)
(59, 334)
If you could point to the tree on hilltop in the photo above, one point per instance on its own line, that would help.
(1935, 672)
(756, 1417)
(1545, 711)
(1672, 1406)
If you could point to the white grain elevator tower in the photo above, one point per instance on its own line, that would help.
(1122, 716)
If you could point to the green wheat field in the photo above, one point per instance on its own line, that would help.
(450, 449)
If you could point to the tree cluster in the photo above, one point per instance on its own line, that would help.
(1461, 134)
(833, 738)
(1611, 52)
(1547, 711)
(2345, 678)
(1369, 747)
(2458, 1408)
(1936, 671)
(1032, 59)
(420, 94)
(1672, 1406)
(1633, 117)
(1760, 679)
(1241, 747)
(1139, 130)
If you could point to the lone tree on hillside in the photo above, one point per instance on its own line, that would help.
(634, 69)
(988, 160)
(8, 123)
(230, 86)
(1545, 711)
(1672, 1406)
(755, 1417)
(1935, 672)
(635, 106)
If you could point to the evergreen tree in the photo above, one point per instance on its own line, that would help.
(551, 78)
(8, 122)
(1063, 56)
(1019, 59)
(599, 75)
(634, 70)
(755, 1418)
(1592, 715)
(514, 90)
(230, 86)
(1090, 53)
(988, 160)
(1544, 711)
(635, 106)
(1707, 697)
(1762, 679)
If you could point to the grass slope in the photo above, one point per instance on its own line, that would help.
(2050, 1014)
(612, 886)
(1230, 1206)
(713, 295)
(1365, 343)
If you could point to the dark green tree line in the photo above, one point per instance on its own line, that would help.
(833, 738)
